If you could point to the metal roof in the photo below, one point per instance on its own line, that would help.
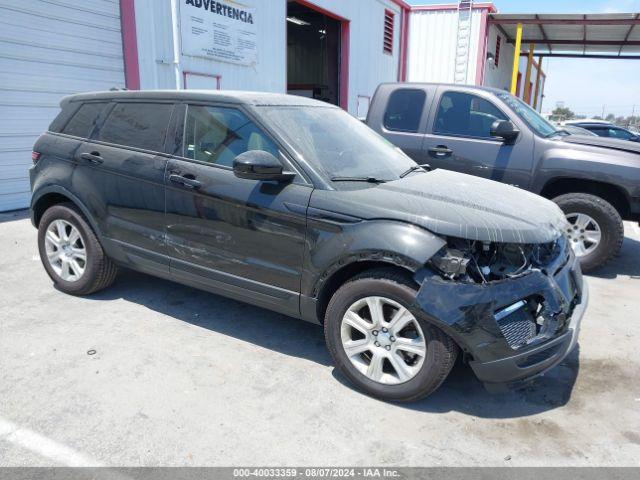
(598, 35)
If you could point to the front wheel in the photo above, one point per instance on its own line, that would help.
(595, 228)
(380, 344)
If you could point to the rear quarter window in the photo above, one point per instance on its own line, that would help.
(138, 125)
(404, 110)
(84, 120)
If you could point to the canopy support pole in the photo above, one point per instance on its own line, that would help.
(516, 60)
(527, 77)
(537, 90)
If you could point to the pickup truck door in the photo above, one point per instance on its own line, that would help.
(458, 138)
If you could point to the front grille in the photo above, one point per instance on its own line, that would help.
(518, 327)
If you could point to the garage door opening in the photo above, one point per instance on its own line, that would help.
(317, 53)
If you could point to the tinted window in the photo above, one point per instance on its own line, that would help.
(600, 131)
(217, 135)
(139, 125)
(82, 123)
(620, 133)
(404, 110)
(465, 114)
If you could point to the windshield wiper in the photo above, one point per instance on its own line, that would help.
(358, 179)
(424, 168)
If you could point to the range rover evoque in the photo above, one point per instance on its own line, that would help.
(293, 205)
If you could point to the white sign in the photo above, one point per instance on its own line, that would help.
(223, 30)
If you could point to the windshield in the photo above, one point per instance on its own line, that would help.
(336, 144)
(532, 118)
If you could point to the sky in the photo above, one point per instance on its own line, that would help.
(584, 85)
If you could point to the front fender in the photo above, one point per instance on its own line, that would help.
(333, 246)
(588, 163)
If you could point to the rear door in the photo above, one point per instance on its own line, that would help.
(120, 176)
(242, 238)
(458, 138)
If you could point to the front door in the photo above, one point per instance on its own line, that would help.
(459, 140)
(242, 238)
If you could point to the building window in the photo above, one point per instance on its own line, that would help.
(387, 44)
(498, 40)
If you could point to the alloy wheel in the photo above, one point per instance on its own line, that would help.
(584, 233)
(66, 250)
(383, 340)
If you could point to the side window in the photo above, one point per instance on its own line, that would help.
(600, 131)
(404, 110)
(218, 134)
(138, 125)
(619, 133)
(82, 123)
(466, 114)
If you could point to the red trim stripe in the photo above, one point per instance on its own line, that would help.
(129, 44)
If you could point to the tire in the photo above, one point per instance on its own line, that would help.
(99, 271)
(608, 220)
(392, 285)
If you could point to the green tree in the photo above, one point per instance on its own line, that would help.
(563, 113)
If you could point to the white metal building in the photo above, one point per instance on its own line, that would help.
(48, 50)
(335, 50)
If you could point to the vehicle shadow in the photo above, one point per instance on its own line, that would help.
(235, 319)
(463, 392)
(627, 262)
(14, 215)
(460, 392)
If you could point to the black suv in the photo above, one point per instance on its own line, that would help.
(293, 205)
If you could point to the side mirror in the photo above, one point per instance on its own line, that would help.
(504, 129)
(260, 165)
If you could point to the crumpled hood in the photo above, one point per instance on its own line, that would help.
(612, 143)
(453, 204)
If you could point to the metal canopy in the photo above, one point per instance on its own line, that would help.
(598, 35)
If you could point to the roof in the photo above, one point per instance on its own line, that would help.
(226, 96)
(610, 35)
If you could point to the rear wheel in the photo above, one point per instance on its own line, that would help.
(595, 228)
(381, 344)
(71, 253)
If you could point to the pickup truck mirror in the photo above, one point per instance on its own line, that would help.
(506, 130)
(260, 165)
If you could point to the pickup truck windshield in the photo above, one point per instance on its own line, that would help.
(336, 144)
(536, 122)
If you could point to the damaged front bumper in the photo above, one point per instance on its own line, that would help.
(514, 329)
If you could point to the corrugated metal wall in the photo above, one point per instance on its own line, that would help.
(432, 45)
(162, 64)
(48, 49)
(500, 76)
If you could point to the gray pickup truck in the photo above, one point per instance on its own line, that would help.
(490, 133)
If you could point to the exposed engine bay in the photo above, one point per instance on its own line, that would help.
(482, 262)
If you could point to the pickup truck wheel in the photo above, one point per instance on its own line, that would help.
(595, 228)
(71, 253)
(380, 343)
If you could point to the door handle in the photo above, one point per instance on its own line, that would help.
(188, 181)
(440, 151)
(93, 157)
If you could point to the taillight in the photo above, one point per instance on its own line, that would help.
(35, 156)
